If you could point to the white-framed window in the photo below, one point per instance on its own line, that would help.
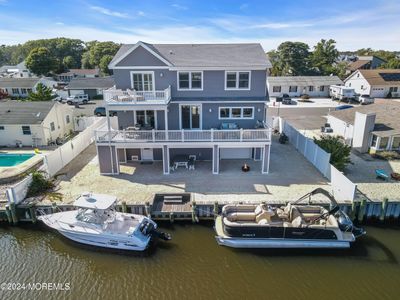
(23, 91)
(237, 80)
(52, 126)
(236, 113)
(310, 88)
(293, 89)
(190, 80)
(67, 119)
(15, 91)
(393, 89)
(1, 127)
(396, 142)
(142, 80)
(26, 130)
(276, 89)
(322, 88)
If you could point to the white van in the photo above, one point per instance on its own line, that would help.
(77, 99)
(341, 92)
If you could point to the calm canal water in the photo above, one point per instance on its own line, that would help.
(193, 266)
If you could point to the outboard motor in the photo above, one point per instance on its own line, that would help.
(346, 225)
(161, 235)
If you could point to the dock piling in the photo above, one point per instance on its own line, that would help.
(8, 213)
(147, 209)
(384, 209)
(195, 219)
(362, 210)
(14, 216)
(124, 208)
(53, 207)
(171, 217)
(216, 209)
(32, 213)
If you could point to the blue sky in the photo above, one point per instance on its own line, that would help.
(353, 23)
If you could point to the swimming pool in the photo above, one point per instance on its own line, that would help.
(11, 160)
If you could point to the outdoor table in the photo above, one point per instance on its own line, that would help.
(181, 161)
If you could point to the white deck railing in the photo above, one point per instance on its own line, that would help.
(117, 96)
(182, 136)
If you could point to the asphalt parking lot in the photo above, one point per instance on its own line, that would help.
(86, 109)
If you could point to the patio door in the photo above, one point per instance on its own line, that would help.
(190, 117)
(143, 81)
(145, 117)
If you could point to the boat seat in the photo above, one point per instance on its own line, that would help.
(265, 215)
(241, 216)
(297, 222)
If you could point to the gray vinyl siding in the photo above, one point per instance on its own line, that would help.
(130, 152)
(140, 57)
(213, 83)
(201, 153)
(105, 155)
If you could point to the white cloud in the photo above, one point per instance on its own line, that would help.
(141, 13)
(60, 23)
(108, 12)
(281, 25)
(179, 7)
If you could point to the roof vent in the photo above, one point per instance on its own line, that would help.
(38, 115)
(171, 52)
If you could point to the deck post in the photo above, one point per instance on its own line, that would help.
(14, 216)
(215, 160)
(165, 161)
(265, 159)
(384, 209)
(53, 207)
(166, 123)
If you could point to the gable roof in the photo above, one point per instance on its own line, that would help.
(18, 82)
(380, 76)
(387, 116)
(355, 65)
(91, 83)
(305, 80)
(201, 55)
(14, 112)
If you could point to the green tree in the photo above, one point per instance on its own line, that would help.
(393, 63)
(340, 153)
(41, 62)
(69, 62)
(340, 69)
(104, 62)
(85, 62)
(292, 59)
(42, 93)
(324, 56)
(97, 50)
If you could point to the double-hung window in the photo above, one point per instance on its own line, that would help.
(26, 130)
(15, 91)
(237, 80)
(276, 88)
(236, 112)
(293, 89)
(322, 88)
(310, 88)
(190, 80)
(143, 81)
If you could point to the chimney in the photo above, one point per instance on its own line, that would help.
(363, 125)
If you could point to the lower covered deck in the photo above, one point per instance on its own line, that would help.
(178, 158)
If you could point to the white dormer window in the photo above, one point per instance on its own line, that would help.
(190, 80)
(237, 80)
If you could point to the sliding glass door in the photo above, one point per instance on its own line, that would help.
(145, 117)
(190, 117)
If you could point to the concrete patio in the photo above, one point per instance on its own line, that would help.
(290, 177)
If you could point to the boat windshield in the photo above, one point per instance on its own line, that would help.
(95, 216)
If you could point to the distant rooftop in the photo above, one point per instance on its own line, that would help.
(388, 77)
(387, 116)
(14, 112)
(72, 72)
(91, 83)
(18, 82)
(206, 55)
(304, 80)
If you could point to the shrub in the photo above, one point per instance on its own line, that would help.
(39, 185)
(305, 96)
(97, 97)
(340, 153)
(387, 155)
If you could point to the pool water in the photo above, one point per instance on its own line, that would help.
(11, 160)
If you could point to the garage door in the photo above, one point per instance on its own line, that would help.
(235, 153)
(76, 92)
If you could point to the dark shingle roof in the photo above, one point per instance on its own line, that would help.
(304, 80)
(91, 83)
(14, 112)
(207, 55)
(18, 82)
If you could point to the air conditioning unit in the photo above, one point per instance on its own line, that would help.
(134, 157)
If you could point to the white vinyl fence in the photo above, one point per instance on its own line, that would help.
(342, 188)
(17, 192)
(81, 123)
(64, 154)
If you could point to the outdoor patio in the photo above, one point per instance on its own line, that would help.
(290, 177)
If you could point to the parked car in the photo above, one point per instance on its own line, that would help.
(101, 112)
(77, 99)
(365, 99)
(281, 98)
(342, 107)
(288, 101)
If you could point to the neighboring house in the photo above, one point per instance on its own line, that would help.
(376, 83)
(186, 99)
(18, 71)
(294, 86)
(78, 73)
(365, 63)
(90, 86)
(373, 127)
(21, 87)
(33, 123)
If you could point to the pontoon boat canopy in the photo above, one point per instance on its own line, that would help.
(95, 201)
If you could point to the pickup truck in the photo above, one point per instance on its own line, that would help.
(77, 99)
(365, 99)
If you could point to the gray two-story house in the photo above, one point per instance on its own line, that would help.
(203, 101)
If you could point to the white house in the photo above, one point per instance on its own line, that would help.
(371, 127)
(21, 87)
(78, 73)
(33, 123)
(17, 71)
(376, 83)
(294, 86)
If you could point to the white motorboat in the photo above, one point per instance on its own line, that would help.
(291, 226)
(96, 222)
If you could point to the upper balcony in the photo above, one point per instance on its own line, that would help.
(127, 97)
